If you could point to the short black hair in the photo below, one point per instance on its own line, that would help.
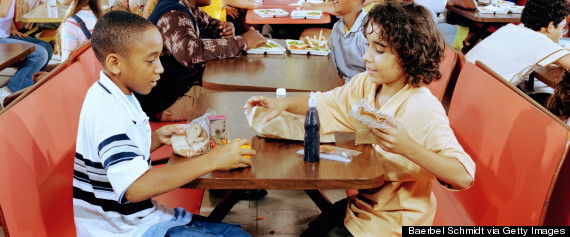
(409, 30)
(539, 13)
(115, 32)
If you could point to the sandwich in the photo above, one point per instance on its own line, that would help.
(193, 143)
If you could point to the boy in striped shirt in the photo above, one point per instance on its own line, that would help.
(113, 179)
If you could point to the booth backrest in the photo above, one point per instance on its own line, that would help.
(37, 148)
(517, 147)
(446, 67)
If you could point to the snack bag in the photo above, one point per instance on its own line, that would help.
(334, 153)
(218, 135)
(367, 117)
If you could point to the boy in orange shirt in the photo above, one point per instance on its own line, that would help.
(403, 52)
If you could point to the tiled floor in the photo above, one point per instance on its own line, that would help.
(281, 213)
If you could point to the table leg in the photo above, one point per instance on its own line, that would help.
(224, 206)
(320, 199)
(530, 83)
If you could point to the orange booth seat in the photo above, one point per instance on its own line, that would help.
(37, 149)
(517, 145)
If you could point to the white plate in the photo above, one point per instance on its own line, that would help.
(270, 47)
(516, 9)
(271, 12)
(322, 52)
(492, 9)
(306, 14)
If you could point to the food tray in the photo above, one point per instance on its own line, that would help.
(492, 9)
(306, 14)
(270, 47)
(271, 12)
(292, 43)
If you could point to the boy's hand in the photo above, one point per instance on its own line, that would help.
(227, 29)
(232, 12)
(38, 75)
(393, 139)
(165, 132)
(253, 38)
(273, 104)
(230, 156)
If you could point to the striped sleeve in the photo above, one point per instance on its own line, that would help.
(123, 161)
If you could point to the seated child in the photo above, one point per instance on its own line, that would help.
(347, 41)
(513, 51)
(559, 102)
(113, 180)
(403, 52)
(191, 37)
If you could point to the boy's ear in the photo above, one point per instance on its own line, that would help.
(551, 26)
(113, 63)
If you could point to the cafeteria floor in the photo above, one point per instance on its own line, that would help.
(280, 213)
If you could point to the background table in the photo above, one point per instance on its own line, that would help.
(43, 14)
(487, 20)
(252, 18)
(276, 165)
(254, 72)
(12, 53)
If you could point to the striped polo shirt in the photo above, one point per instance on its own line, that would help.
(112, 151)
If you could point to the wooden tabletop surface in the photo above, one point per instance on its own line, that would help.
(12, 53)
(255, 72)
(276, 165)
(252, 18)
(475, 15)
(43, 14)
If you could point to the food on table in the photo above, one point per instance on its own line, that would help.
(193, 143)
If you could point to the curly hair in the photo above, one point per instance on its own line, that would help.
(559, 102)
(409, 30)
(539, 13)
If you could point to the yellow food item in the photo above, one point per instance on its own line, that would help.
(244, 146)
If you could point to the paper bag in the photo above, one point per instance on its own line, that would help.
(285, 126)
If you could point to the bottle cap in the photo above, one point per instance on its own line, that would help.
(312, 101)
(281, 92)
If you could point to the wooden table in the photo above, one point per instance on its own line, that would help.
(45, 14)
(12, 53)
(255, 72)
(252, 18)
(276, 164)
(486, 19)
(549, 75)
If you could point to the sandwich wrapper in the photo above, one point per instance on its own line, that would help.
(285, 126)
(368, 117)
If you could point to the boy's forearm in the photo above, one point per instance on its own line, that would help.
(297, 104)
(447, 169)
(164, 179)
(155, 141)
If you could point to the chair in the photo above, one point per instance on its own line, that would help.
(518, 149)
